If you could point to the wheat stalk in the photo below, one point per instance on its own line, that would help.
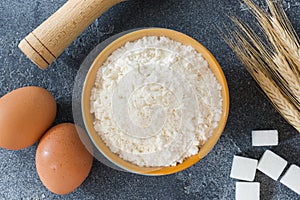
(286, 34)
(290, 80)
(275, 64)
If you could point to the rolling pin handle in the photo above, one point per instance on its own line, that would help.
(43, 45)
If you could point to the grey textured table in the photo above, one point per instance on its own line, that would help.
(209, 178)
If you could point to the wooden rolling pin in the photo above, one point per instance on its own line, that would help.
(43, 45)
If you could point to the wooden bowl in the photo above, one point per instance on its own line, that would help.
(88, 118)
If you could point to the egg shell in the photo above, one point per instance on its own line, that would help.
(25, 115)
(62, 161)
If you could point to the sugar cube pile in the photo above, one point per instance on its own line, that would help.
(271, 164)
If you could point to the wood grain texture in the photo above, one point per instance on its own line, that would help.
(43, 45)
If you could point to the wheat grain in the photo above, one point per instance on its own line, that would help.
(251, 58)
(274, 59)
(278, 65)
(286, 44)
(287, 110)
(288, 78)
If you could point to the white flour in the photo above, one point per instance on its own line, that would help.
(155, 102)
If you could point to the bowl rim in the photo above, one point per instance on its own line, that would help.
(90, 80)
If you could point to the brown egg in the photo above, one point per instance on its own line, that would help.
(25, 114)
(62, 161)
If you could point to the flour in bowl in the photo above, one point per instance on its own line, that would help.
(155, 102)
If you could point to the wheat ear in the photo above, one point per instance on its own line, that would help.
(274, 59)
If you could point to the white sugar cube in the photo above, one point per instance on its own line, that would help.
(292, 178)
(264, 138)
(247, 191)
(271, 164)
(243, 168)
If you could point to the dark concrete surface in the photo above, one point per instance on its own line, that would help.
(209, 178)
